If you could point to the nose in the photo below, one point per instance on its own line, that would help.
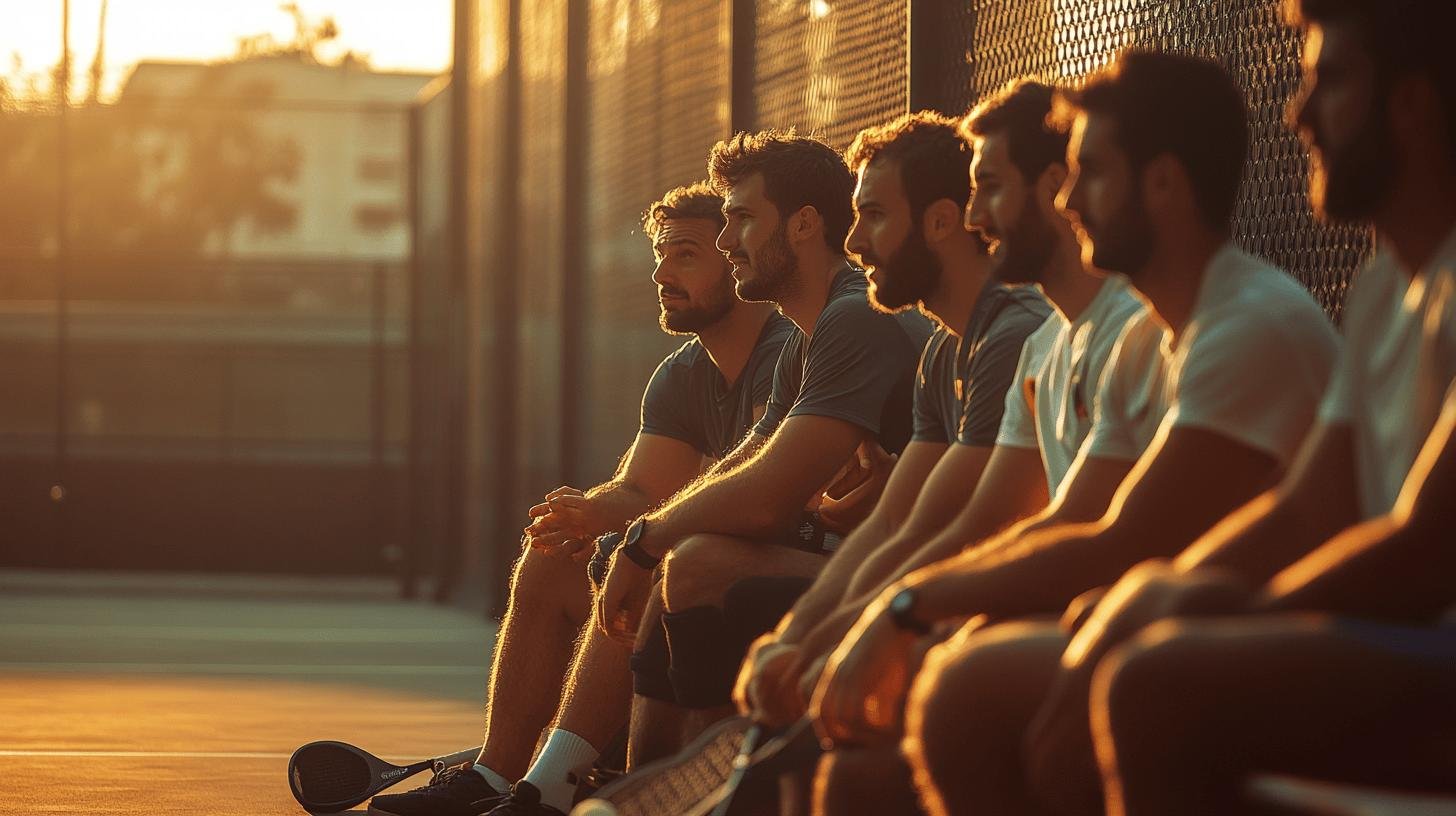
(1299, 114)
(1070, 198)
(977, 219)
(727, 240)
(660, 275)
(855, 243)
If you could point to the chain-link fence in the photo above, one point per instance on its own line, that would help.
(566, 302)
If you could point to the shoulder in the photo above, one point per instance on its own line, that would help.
(1018, 310)
(1264, 305)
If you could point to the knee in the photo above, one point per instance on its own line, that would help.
(1147, 682)
(695, 573)
(540, 576)
(938, 707)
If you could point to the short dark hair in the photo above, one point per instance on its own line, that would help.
(798, 171)
(690, 201)
(1402, 37)
(1177, 104)
(1020, 111)
(934, 160)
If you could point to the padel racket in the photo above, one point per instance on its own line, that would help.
(329, 776)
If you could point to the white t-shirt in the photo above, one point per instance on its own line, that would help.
(1062, 363)
(1399, 364)
(1130, 404)
(1251, 365)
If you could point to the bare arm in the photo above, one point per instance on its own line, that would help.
(1395, 566)
(1314, 502)
(762, 495)
(910, 473)
(1181, 486)
(652, 470)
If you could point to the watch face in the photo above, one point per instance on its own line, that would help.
(901, 603)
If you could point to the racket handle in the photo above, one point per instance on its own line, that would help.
(465, 756)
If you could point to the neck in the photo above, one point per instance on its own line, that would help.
(1067, 284)
(730, 341)
(964, 271)
(811, 288)
(1174, 273)
(1420, 214)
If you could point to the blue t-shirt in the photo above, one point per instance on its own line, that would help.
(687, 398)
(859, 365)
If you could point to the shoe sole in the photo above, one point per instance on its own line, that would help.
(685, 782)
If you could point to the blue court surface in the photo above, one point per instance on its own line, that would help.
(145, 694)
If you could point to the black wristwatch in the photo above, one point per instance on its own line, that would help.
(632, 546)
(902, 612)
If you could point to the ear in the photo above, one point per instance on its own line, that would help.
(804, 225)
(1049, 184)
(942, 219)
(1164, 184)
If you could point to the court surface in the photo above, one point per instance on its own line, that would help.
(167, 695)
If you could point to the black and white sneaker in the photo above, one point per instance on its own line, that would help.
(456, 792)
(525, 800)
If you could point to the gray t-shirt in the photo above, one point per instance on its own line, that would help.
(960, 389)
(688, 400)
(859, 366)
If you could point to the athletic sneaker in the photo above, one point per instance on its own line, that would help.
(525, 800)
(456, 792)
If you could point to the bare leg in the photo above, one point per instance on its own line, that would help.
(550, 598)
(697, 574)
(598, 690)
(868, 780)
(1181, 715)
(968, 713)
(650, 736)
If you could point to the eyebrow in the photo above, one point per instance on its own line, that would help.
(672, 242)
(736, 209)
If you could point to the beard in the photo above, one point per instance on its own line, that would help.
(1125, 244)
(1026, 248)
(909, 276)
(1350, 183)
(693, 318)
(773, 270)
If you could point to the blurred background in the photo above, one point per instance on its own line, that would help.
(337, 288)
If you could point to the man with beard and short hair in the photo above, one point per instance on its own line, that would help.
(1156, 156)
(909, 231)
(699, 403)
(786, 211)
(1360, 529)
(1018, 169)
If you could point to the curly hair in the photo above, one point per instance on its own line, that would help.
(798, 171)
(695, 200)
(1020, 111)
(1176, 104)
(935, 160)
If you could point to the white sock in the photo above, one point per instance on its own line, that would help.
(495, 780)
(565, 759)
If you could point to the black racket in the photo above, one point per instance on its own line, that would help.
(329, 776)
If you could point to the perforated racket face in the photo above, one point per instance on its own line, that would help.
(327, 777)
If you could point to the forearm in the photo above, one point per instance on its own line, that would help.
(1039, 573)
(1263, 537)
(829, 589)
(617, 503)
(1378, 569)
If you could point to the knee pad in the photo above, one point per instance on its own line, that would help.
(755, 605)
(703, 656)
(651, 667)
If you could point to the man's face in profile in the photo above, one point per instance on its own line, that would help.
(890, 243)
(1102, 198)
(694, 283)
(1003, 208)
(756, 244)
(1341, 119)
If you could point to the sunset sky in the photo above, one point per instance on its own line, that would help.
(396, 35)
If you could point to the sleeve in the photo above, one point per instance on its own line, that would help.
(787, 378)
(1018, 425)
(1121, 427)
(929, 409)
(991, 374)
(854, 361)
(1257, 379)
(667, 407)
